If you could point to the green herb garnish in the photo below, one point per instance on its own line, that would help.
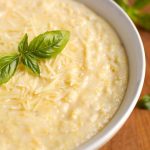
(8, 65)
(46, 45)
(144, 103)
(135, 13)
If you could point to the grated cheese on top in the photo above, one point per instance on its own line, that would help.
(77, 92)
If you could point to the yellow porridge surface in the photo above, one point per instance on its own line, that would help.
(77, 93)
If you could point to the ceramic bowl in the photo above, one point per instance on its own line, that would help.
(132, 42)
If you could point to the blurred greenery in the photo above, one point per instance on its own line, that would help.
(135, 12)
(141, 3)
(144, 103)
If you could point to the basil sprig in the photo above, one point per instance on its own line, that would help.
(46, 45)
(135, 13)
(144, 103)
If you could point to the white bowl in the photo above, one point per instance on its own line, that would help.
(129, 35)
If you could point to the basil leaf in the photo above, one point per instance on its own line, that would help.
(31, 62)
(8, 66)
(23, 45)
(141, 3)
(144, 103)
(49, 44)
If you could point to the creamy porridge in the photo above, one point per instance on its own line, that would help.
(77, 92)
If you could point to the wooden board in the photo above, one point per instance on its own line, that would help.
(135, 134)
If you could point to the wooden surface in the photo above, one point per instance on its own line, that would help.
(135, 134)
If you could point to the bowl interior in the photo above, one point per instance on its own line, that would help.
(131, 40)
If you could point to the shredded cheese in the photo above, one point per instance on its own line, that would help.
(77, 92)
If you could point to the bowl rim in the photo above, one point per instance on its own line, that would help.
(100, 140)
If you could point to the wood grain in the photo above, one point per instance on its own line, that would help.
(135, 134)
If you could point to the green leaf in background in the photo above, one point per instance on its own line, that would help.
(144, 103)
(141, 3)
(144, 21)
(8, 65)
(141, 19)
(23, 45)
(134, 12)
(49, 44)
(122, 3)
(31, 62)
